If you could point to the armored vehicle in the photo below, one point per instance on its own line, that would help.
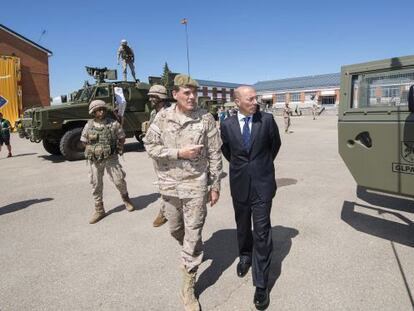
(59, 127)
(376, 124)
(211, 105)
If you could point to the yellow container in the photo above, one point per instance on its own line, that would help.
(10, 92)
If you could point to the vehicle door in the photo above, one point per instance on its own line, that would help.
(375, 126)
(137, 108)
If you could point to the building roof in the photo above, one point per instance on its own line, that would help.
(218, 84)
(13, 33)
(307, 82)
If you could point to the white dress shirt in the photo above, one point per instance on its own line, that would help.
(241, 117)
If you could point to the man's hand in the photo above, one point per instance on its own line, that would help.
(190, 152)
(214, 196)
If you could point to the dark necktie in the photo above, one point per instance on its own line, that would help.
(246, 133)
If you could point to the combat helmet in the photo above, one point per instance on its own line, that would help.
(158, 90)
(124, 42)
(95, 104)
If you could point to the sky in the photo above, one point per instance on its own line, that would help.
(231, 41)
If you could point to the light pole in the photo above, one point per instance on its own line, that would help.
(184, 21)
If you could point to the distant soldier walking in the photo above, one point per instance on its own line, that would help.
(5, 127)
(158, 96)
(104, 139)
(126, 55)
(286, 117)
(314, 106)
(185, 144)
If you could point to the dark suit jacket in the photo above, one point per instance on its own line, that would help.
(253, 168)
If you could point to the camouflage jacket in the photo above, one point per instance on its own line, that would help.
(171, 131)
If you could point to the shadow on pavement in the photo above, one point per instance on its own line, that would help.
(282, 182)
(53, 158)
(221, 248)
(134, 147)
(282, 243)
(14, 207)
(402, 233)
(387, 201)
(140, 202)
(400, 230)
(19, 155)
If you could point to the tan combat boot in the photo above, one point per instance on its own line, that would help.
(127, 201)
(159, 220)
(99, 213)
(187, 291)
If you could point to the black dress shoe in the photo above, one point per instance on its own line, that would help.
(261, 298)
(243, 267)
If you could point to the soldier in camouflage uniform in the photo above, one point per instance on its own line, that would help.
(5, 128)
(314, 106)
(185, 144)
(126, 55)
(104, 139)
(158, 96)
(286, 117)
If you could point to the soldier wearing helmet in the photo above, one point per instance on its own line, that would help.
(184, 143)
(104, 139)
(127, 57)
(158, 98)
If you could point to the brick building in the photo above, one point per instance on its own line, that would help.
(298, 91)
(217, 90)
(34, 64)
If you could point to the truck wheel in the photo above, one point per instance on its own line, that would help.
(51, 146)
(71, 146)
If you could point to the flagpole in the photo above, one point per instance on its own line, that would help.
(185, 22)
(41, 35)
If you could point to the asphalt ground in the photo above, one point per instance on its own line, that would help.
(335, 248)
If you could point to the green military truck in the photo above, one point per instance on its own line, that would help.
(376, 124)
(59, 127)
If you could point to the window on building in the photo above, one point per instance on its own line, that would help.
(328, 100)
(280, 98)
(295, 97)
(390, 91)
(309, 95)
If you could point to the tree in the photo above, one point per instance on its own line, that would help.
(165, 78)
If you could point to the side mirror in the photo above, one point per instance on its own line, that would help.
(411, 99)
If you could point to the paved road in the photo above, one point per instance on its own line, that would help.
(333, 249)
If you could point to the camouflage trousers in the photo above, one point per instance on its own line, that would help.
(186, 220)
(115, 172)
(124, 69)
(287, 124)
(162, 208)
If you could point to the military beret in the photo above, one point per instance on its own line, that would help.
(184, 80)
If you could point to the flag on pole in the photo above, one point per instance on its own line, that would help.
(184, 21)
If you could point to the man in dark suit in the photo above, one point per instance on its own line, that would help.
(251, 142)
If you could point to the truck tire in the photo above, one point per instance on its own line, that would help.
(71, 146)
(51, 146)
